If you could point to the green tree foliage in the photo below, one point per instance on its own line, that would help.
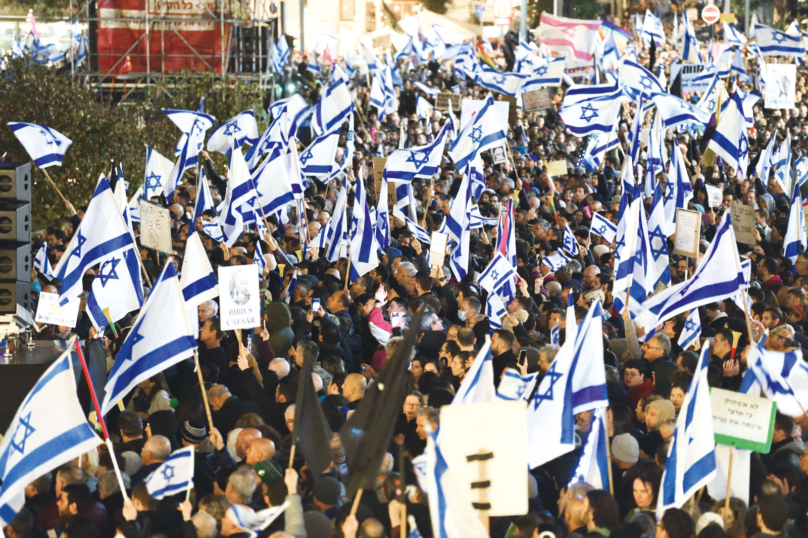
(101, 132)
(587, 9)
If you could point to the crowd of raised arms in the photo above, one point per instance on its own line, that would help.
(558, 214)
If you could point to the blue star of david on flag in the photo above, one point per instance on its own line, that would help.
(112, 274)
(657, 235)
(418, 158)
(588, 112)
(690, 325)
(495, 274)
(153, 182)
(476, 135)
(541, 70)
(743, 146)
(306, 157)
(669, 194)
(168, 472)
(620, 244)
(26, 429)
(548, 394)
(646, 82)
(779, 37)
(500, 79)
(601, 230)
(49, 138)
(231, 129)
(77, 251)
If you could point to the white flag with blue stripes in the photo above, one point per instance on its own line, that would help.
(116, 289)
(764, 164)
(478, 384)
(251, 521)
(637, 80)
(569, 243)
(675, 111)
(690, 45)
(483, 132)
(555, 334)
(421, 161)
(652, 29)
(659, 270)
(593, 465)
(338, 228)
(494, 309)
(498, 273)
(161, 337)
(599, 143)
(729, 140)
(574, 383)
(102, 233)
(783, 377)
(714, 280)
(733, 36)
(514, 386)
(625, 246)
(363, 246)
(505, 83)
(44, 145)
(242, 129)
(795, 240)
(282, 53)
(240, 191)
(691, 456)
(194, 125)
(599, 114)
(158, 170)
(174, 475)
(198, 281)
(603, 227)
(333, 107)
(318, 159)
(458, 224)
(773, 42)
(678, 190)
(781, 160)
(48, 430)
(556, 261)
(691, 330)
(42, 263)
(382, 228)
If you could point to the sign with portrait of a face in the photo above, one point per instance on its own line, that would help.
(238, 294)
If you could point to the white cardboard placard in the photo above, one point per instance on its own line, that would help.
(48, 310)
(240, 306)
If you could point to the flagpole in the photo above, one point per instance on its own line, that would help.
(202, 388)
(729, 482)
(344, 223)
(100, 418)
(55, 187)
(356, 500)
(193, 455)
(292, 453)
(608, 450)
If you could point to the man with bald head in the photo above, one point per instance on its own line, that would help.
(353, 389)
(590, 280)
(156, 450)
(244, 439)
(338, 305)
(227, 409)
(260, 449)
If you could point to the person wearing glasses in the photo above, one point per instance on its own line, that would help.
(638, 385)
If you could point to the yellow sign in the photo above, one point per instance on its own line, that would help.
(728, 17)
(557, 168)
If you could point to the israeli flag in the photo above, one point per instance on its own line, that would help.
(382, 228)
(458, 224)
(273, 141)
(678, 190)
(659, 267)
(593, 465)
(546, 74)
(603, 227)
(599, 143)
(783, 377)
(253, 522)
(177, 170)
(556, 261)
(712, 282)
(332, 108)
(643, 277)
(610, 59)
(691, 456)
(174, 475)
(569, 243)
(624, 248)
(637, 80)
(313, 64)
(749, 99)
(691, 331)
(773, 42)
(42, 263)
(44, 145)
(504, 83)
(161, 337)
(514, 386)
(158, 170)
(781, 160)
(289, 290)
(378, 95)
(134, 205)
(764, 164)
(194, 125)
(363, 247)
(198, 281)
(723, 63)
(318, 159)
(48, 430)
(421, 161)
(242, 129)
(690, 45)
(494, 309)
(571, 327)
(483, 132)
(240, 191)
(795, 240)
(338, 227)
(116, 289)
(575, 382)
(738, 67)
(417, 232)
(498, 274)
(424, 111)
(599, 114)
(478, 221)
(635, 133)
(478, 385)
(715, 92)
(278, 181)
(652, 29)
(282, 53)
(729, 140)
(102, 233)
(733, 36)
(450, 509)
(555, 334)
(675, 111)
(580, 92)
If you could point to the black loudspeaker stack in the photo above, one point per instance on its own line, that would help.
(16, 259)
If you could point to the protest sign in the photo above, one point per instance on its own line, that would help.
(538, 99)
(238, 295)
(49, 311)
(742, 421)
(155, 227)
(443, 99)
(688, 230)
(557, 168)
(437, 249)
(743, 220)
(688, 76)
(780, 85)
(715, 196)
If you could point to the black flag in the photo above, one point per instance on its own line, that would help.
(366, 435)
(312, 434)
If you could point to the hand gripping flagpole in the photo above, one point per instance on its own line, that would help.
(101, 419)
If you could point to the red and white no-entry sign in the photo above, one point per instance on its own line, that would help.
(710, 14)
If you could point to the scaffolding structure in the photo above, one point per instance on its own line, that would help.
(136, 44)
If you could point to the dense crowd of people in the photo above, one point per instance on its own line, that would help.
(245, 458)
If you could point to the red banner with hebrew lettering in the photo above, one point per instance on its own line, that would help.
(183, 35)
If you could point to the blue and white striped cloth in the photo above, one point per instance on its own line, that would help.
(174, 475)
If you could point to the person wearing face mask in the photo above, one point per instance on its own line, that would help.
(469, 314)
